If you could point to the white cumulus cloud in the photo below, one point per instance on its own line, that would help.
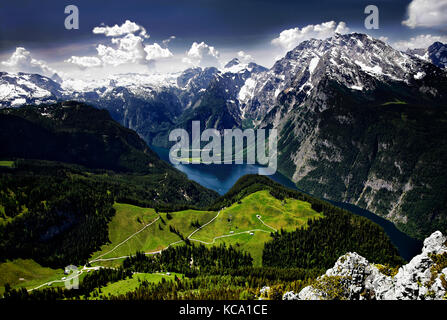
(202, 54)
(290, 38)
(419, 42)
(155, 51)
(85, 62)
(126, 28)
(126, 47)
(244, 57)
(426, 13)
(22, 61)
(130, 50)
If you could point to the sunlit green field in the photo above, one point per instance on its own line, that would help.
(128, 285)
(131, 219)
(240, 217)
(8, 164)
(28, 274)
(239, 225)
(288, 214)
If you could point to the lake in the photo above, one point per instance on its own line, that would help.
(222, 177)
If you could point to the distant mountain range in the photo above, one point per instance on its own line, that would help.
(436, 54)
(358, 120)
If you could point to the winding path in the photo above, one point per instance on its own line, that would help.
(100, 259)
(229, 235)
(69, 278)
(121, 243)
(265, 224)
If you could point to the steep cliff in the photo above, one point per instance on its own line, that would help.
(363, 123)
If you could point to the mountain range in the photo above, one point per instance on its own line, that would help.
(358, 121)
(436, 54)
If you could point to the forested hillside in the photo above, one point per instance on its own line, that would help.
(324, 240)
(290, 260)
(63, 167)
(57, 213)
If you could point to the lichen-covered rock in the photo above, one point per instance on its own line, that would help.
(290, 295)
(309, 293)
(264, 292)
(418, 279)
(353, 277)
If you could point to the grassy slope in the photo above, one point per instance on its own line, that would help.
(125, 223)
(240, 217)
(8, 164)
(30, 271)
(289, 215)
(129, 219)
(128, 285)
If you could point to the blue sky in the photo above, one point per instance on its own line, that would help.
(228, 26)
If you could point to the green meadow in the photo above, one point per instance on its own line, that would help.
(129, 285)
(130, 219)
(27, 274)
(8, 164)
(246, 225)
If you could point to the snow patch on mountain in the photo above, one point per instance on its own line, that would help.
(130, 80)
(19, 88)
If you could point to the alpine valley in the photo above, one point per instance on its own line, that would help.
(358, 122)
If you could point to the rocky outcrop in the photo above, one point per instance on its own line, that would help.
(354, 278)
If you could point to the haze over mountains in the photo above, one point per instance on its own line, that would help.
(358, 120)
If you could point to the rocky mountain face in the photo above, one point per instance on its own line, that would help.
(147, 114)
(436, 54)
(144, 103)
(355, 61)
(218, 106)
(19, 89)
(194, 82)
(362, 123)
(354, 278)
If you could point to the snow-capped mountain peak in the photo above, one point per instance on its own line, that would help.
(232, 62)
(356, 61)
(21, 88)
(436, 54)
(236, 66)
